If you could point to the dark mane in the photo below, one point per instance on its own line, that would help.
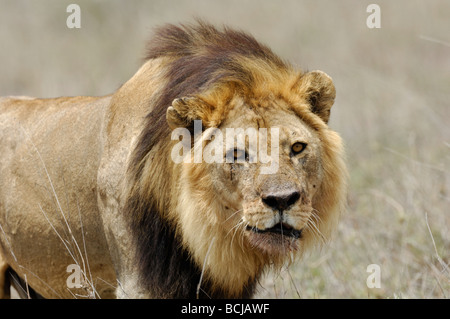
(201, 56)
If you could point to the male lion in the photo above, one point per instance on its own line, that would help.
(92, 204)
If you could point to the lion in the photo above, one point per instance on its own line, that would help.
(93, 205)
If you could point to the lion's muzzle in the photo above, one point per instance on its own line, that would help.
(276, 219)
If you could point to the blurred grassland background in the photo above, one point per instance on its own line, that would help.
(392, 109)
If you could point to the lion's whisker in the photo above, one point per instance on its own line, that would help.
(232, 228)
(315, 230)
(236, 228)
(242, 234)
(236, 212)
(315, 214)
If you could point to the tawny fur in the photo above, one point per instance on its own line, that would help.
(98, 172)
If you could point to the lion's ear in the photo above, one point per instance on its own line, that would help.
(185, 110)
(320, 93)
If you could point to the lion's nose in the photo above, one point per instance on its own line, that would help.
(281, 200)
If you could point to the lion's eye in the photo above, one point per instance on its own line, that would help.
(238, 156)
(298, 147)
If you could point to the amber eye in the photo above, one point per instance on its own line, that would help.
(298, 147)
(237, 155)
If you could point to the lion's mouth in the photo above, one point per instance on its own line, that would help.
(279, 239)
(281, 229)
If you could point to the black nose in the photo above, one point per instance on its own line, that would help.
(281, 200)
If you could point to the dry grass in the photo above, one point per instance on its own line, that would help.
(392, 110)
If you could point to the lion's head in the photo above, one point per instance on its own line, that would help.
(276, 189)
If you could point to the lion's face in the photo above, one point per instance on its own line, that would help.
(271, 208)
(273, 192)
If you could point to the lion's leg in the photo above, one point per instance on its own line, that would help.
(4, 279)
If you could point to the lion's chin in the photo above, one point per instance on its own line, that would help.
(275, 241)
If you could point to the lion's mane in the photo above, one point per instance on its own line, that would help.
(197, 59)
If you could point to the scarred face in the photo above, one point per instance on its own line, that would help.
(269, 184)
